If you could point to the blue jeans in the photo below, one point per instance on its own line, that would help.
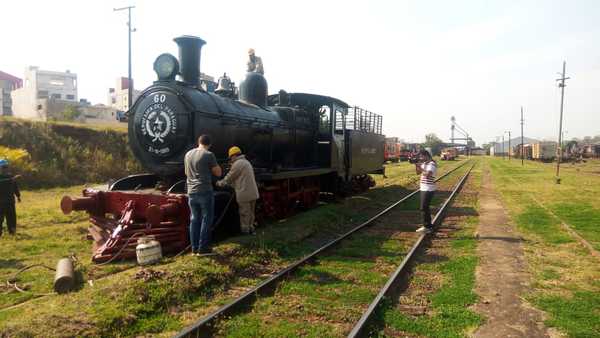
(202, 209)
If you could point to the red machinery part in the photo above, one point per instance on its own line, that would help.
(118, 217)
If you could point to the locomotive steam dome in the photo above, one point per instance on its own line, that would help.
(254, 89)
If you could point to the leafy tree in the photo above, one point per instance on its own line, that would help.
(71, 113)
(487, 147)
(433, 142)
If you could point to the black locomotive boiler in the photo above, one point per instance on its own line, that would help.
(300, 145)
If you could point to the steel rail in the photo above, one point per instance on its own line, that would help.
(361, 329)
(205, 326)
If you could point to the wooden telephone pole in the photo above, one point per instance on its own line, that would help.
(562, 86)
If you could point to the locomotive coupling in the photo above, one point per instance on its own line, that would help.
(68, 204)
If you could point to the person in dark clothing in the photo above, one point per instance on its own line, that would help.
(200, 167)
(427, 168)
(8, 191)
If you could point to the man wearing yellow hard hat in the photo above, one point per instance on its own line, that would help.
(241, 178)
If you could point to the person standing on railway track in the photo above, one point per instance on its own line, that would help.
(200, 166)
(241, 178)
(427, 168)
(8, 191)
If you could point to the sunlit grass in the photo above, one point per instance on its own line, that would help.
(565, 275)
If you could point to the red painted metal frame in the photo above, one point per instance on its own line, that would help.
(117, 216)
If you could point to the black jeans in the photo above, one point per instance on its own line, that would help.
(8, 211)
(426, 197)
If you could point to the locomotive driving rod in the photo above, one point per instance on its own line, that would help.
(205, 327)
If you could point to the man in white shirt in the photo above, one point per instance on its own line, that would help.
(427, 168)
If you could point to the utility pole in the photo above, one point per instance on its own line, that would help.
(452, 130)
(562, 85)
(522, 145)
(129, 31)
(508, 144)
(502, 145)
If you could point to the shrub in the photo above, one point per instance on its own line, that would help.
(53, 154)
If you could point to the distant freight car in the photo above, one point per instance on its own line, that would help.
(526, 151)
(544, 151)
(391, 151)
(449, 154)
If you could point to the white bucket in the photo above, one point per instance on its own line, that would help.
(148, 250)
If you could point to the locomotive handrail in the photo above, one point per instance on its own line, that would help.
(205, 326)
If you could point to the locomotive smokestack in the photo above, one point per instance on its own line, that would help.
(189, 58)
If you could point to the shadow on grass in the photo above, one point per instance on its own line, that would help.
(498, 238)
(11, 263)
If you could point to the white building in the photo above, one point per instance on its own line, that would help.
(8, 83)
(42, 90)
(118, 97)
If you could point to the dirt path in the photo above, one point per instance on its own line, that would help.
(501, 275)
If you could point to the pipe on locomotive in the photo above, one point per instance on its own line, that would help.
(189, 58)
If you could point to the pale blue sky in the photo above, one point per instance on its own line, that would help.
(415, 62)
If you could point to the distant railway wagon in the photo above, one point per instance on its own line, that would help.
(523, 150)
(544, 151)
(391, 151)
(449, 154)
(591, 151)
(395, 151)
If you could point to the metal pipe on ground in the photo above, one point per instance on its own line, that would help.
(64, 278)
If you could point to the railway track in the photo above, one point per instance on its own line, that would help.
(209, 325)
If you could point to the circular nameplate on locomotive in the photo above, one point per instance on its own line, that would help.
(157, 126)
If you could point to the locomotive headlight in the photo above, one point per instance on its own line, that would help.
(166, 67)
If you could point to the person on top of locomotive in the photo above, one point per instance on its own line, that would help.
(241, 177)
(254, 63)
(200, 166)
(8, 191)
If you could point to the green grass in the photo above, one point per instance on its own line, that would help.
(449, 314)
(583, 217)
(332, 295)
(564, 273)
(537, 220)
(120, 305)
(577, 315)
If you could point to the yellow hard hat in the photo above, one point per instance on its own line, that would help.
(251, 51)
(234, 151)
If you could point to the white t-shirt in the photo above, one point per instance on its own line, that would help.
(428, 183)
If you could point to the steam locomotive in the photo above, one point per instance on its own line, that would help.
(301, 145)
